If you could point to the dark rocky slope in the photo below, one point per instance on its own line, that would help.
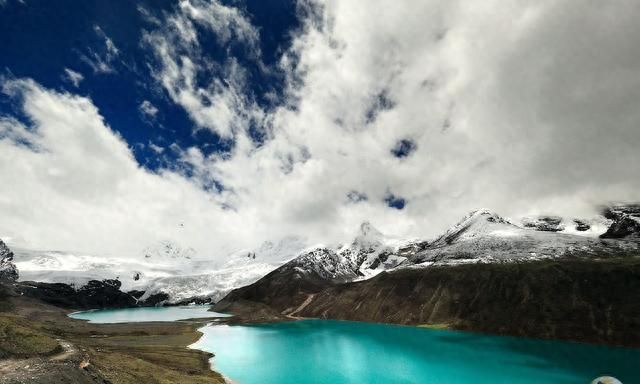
(280, 289)
(592, 301)
(95, 294)
(573, 299)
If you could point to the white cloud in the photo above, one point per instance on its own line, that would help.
(75, 185)
(520, 108)
(228, 23)
(101, 59)
(73, 77)
(148, 110)
(221, 105)
(156, 148)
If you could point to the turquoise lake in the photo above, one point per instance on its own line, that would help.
(132, 315)
(340, 352)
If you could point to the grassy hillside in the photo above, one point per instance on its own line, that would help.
(19, 338)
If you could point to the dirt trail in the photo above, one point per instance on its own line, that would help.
(21, 370)
(302, 306)
(68, 351)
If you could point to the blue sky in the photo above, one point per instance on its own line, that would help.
(52, 36)
(217, 125)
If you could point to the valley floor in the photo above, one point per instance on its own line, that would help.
(581, 300)
(39, 344)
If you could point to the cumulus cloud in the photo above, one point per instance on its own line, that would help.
(521, 108)
(75, 185)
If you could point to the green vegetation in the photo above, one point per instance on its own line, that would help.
(47, 346)
(157, 365)
(125, 354)
(20, 338)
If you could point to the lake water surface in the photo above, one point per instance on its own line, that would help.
(340, 352)
(132, 315)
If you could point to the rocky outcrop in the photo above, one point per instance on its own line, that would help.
(8, 270)
(581, 225)
(544, 223)
(95, 294)
(626, 221)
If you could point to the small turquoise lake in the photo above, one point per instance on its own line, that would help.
(340, 352)
(132, 315)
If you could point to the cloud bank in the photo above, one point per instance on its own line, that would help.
(443, 106)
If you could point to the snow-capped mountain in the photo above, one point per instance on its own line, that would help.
(241, 268)
(368, 254)
(164, 267)
(8, 270)
(320, 279)
(78, 269)
(484, 236)
(480, 237)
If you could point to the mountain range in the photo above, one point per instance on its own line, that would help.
(484, 274)
(168, 272)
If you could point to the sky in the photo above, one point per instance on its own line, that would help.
(217, 125)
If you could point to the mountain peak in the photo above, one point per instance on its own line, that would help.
(366, 229)
(475, 222)
(368, 236)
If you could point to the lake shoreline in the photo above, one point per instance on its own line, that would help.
(310, 343)
(113, 351)
(116, 353)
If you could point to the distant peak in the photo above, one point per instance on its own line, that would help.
(474, 222)
(485, 214)
(366, 228)
(368, 236)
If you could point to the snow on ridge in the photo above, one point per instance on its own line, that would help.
(481, 236)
